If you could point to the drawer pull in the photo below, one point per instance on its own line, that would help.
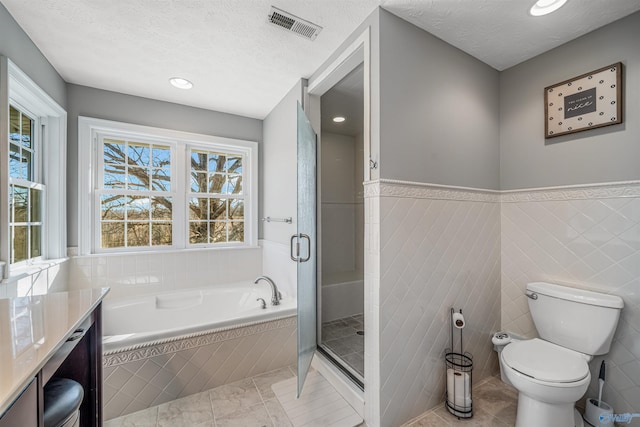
(76, 335)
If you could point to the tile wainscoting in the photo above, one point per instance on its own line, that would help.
(583, 236)
(37, 279)
(147, 375)
(436, 247)
(149, 273)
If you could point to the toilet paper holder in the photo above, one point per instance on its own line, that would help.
(459, 370)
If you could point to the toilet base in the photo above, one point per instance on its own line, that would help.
(533, 413)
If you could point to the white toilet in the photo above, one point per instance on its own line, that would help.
(551, 372)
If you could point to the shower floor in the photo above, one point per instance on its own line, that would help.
(345, 338)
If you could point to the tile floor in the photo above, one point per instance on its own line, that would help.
(249, 402)
(494, 404)
(340, 336)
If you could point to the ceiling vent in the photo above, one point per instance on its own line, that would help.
(290, 22)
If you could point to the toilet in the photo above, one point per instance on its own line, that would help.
(551, 373)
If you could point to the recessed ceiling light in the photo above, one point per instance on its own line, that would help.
(339, 119)
(180, 83)
(544, 7)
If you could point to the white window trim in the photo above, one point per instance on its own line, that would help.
(89, 130)
(16, 86)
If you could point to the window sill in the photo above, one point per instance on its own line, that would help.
(31, 269)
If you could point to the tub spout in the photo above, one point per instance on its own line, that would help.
(276, 296)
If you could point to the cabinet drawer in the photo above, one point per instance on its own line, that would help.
(24, 411)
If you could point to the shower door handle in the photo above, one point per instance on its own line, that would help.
(297, 238)
(304, 236)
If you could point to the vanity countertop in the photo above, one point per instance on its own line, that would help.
(32, 329)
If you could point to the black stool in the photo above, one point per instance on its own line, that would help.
(62, 399)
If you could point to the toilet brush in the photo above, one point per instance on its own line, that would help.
(601, 381)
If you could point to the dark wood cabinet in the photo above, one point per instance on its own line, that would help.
(24, 411)
(79, 359)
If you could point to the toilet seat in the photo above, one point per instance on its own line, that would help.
(545, 361)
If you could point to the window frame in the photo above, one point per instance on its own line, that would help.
(36, 182)
(90, 169)
(209, 195)
(19, 91)
(100, 190)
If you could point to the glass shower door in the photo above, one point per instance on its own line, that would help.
(303, 246)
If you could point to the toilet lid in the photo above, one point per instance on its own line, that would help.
(545, 361)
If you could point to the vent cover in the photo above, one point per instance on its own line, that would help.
(290, 22)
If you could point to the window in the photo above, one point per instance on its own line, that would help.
(33, 214)
(156, 189)
(135, 197)
(216, 199)
(25, 191)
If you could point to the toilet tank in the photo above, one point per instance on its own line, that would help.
(581, 320)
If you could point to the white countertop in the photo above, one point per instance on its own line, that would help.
(32, 329)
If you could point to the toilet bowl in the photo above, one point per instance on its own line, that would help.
(551, 373)
(549, 379)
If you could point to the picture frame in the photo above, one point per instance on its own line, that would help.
(589, 101)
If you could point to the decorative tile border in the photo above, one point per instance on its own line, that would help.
(185, 342)
(416, 190)
(574, 192)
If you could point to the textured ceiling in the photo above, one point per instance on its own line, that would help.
(237, 61)
(241, 64)
(501, 33)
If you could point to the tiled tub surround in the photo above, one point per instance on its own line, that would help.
(585, 236)
(150, 273)
(439, 247)
(159, 372)
(37, 279)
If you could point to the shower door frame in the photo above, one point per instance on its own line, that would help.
(358, 52)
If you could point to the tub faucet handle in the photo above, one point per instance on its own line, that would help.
(263, 304)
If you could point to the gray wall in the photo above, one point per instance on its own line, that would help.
(18, 47)
(101, 104)
(607, 154)
(439, 110)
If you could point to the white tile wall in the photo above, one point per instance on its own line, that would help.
(42, 278)
(138, 274)
(589, 237)
(277, 264)
(440, 248)
(372, 303)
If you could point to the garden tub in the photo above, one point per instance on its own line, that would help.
(169, 345)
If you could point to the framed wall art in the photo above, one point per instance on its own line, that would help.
(589, 101)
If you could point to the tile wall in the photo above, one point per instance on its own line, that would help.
(439, 248)
(47, 276)
(583, 236)
(372, 302)
(140, 274)
(277, 264)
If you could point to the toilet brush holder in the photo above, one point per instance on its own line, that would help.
(598, 415)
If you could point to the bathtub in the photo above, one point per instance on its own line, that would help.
(128, 322)
(166, 346)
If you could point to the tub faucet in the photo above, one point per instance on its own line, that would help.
(276, 296)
